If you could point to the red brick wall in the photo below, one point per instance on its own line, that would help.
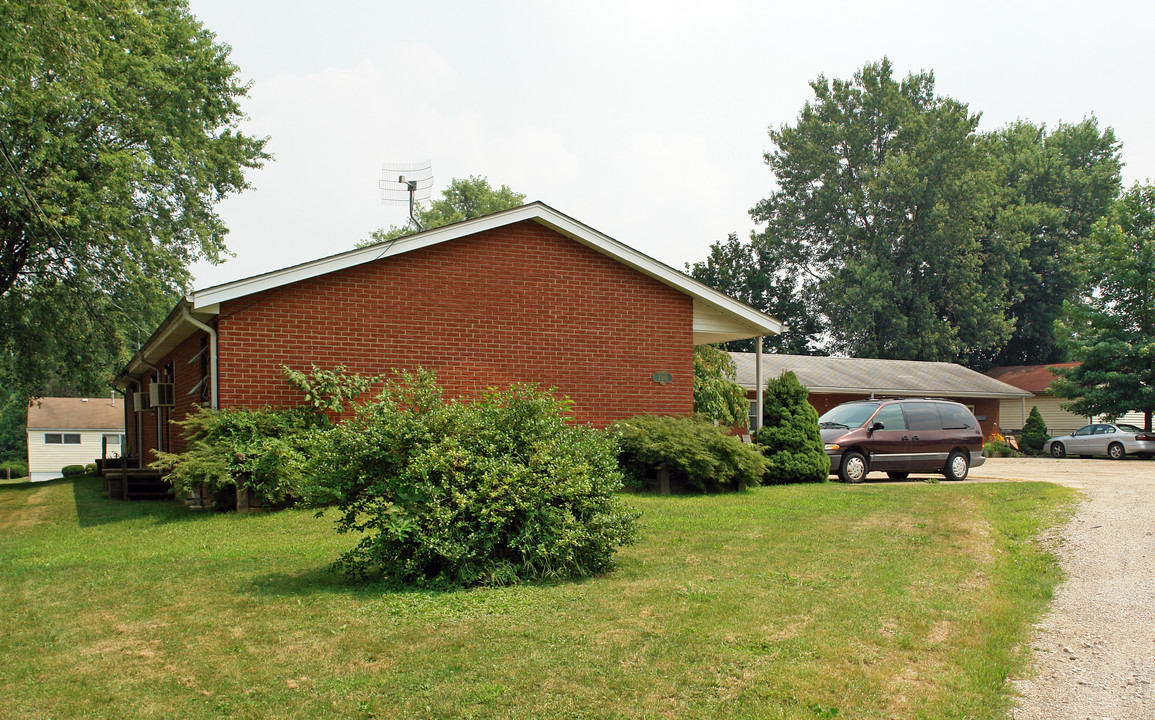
(184, 377)
(519, 303)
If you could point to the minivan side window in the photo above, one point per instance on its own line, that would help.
(955, 417)
(891, 417)
(922, 416)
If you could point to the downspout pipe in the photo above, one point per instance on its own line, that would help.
(758, 382)
(212, 352)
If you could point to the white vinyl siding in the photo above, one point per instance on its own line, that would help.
(1012, 414)
(46, 457)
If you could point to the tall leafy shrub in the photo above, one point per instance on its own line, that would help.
(692, 449)
(262, 446)
(1035, 433)
(716, 395)
(457, 493)
(790, 436)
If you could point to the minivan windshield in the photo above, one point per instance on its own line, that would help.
(850, 415)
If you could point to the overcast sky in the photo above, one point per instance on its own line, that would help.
(644, 120)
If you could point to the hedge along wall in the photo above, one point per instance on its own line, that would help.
(518, 303)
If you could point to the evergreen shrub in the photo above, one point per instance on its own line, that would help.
(1035, 433)
(72, 471)
(692, 449)
(90, 469)
(790, 437)
(457, 493)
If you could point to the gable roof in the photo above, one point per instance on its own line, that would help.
(875, 377)
(1035, 379)
(58, 413)
(717, 317)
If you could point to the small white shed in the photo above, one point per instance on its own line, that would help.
(72, 431)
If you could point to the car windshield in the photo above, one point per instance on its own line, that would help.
(850, 415)
(1128, 428)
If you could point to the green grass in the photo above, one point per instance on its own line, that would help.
(897, 601)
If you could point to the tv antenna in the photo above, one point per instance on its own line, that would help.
(412, 182)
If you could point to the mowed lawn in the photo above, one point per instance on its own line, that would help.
(831, 601)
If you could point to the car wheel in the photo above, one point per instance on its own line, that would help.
(897, 475)
(1116, 451)
(853, 468)
(1058, 451)
(957, 466)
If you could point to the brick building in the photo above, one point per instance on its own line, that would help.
(524, 295)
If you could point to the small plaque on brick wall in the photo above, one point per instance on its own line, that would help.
(662, 378)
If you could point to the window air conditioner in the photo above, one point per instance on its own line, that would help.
(140, 402)
(161, 395)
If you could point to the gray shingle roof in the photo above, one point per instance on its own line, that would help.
(55, 413)
(878, 377)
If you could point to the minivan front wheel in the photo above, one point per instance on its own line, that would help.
(957, 466)
(853, 468)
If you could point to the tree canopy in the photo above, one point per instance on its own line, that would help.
(463, 199)
(1111, 325)
(118, 136)
(897, 230)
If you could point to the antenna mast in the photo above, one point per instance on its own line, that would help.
(413, 184)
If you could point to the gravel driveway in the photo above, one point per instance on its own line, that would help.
(1095, 651)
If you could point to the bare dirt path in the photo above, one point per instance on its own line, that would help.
(1095, 651)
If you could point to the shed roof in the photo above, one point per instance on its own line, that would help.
(58, 413)
(1035, 379)
(876, 377)
(717, 317)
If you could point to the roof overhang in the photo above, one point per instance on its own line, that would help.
(172, 332)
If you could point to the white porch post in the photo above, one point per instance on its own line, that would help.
(759, 383)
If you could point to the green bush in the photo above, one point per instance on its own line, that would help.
(457, 493)
(15, 468)
(1035, 433)
(692, 449)
(716, 395)
(262, 446)
(790, 437)
(72, 471)
(998, 447)
(90, 470)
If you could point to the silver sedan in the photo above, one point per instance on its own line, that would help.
(1114, 440)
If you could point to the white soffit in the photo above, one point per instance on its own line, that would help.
(716, 317)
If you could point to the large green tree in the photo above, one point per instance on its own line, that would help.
(1053, 188)
(881, 215)
(463, 199)
(1111, 326)
(118, 136)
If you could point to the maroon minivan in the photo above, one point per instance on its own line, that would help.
(899, 437)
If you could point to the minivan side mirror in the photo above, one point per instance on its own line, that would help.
(877, 426)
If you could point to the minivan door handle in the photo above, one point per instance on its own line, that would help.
(906, 438)
(915, 437)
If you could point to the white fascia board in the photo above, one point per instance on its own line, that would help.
(748, 322)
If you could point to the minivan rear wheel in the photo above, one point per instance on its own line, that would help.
(853, 468)
(957, 466)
